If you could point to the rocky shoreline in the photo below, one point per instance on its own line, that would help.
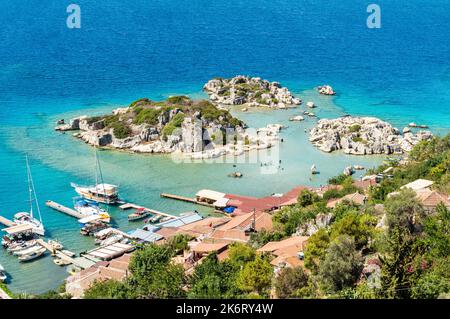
(363, 136)
(197, 129)
(250, 91)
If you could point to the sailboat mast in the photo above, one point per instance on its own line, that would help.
(98, 171)
(30, 191)
(33, 195)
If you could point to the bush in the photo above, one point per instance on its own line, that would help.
(354, 128)
(121, 130)
(147, 116)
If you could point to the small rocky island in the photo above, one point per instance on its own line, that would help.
(363, 136)
(180, 124)
(250, 91)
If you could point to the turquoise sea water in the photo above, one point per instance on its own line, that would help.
(130, 49)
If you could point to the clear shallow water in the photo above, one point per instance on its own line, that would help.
(125, 51)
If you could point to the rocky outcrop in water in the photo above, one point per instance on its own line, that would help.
(176, 125)
(252, 91)
(363, 136)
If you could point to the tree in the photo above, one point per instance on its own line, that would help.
(255, 277)
(342, 265)
(108, 289)
(307, 197)
(360, 227)
(316, 249)
(396, 264)
(437, 233)
(154, 275)
(290, 281)
(179, 243)
(404, 211)
(213, 279)
(433, 283)
(240, 254)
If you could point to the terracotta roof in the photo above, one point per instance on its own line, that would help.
(205, 225)
(365, 184)
(432, 198)
(262, 220)
(356, 198)
(230, 234)
(204, 247)
(290, 261)
(418, 184)
(246, 204)
(296, 241)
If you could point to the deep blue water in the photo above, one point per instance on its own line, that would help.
(130, 49)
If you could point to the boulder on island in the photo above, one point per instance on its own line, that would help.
(251, 91)
(363, 136)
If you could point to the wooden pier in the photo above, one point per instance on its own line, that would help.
(63, 209)
(79, 262)
(155, 212)
(185, 199)
(6, 222)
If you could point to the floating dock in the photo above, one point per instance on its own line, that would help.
(5, 221)
(155, 212)
(109, 252)
(64, 209)
(185, 199)
(80, 262)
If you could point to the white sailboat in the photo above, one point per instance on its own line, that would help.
(100, 192)
(2, 274)
(25, 218)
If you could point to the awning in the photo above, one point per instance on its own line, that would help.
(222, 202)
(145, 235)
(229, 209)
(209, 194)
(18, 229)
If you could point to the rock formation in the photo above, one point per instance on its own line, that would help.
(252, 91)
(363, 136)
(179, 124)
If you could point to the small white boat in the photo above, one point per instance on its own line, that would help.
(28, 250)
(32, 256)
(314, 170)
(90, 209)
(2, 274)
(155, 219)
(61, 262)
(166, 219)
(56, 244)
(111, 240)
(21, 246)
(139, 214)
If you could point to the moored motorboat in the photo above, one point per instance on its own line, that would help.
(139, 214)
(28, 250)
(32, 256)
(88, 208)
(155, 219)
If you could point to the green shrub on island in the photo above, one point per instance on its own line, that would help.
(121, 130)
(354, 128)
(175, 123)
